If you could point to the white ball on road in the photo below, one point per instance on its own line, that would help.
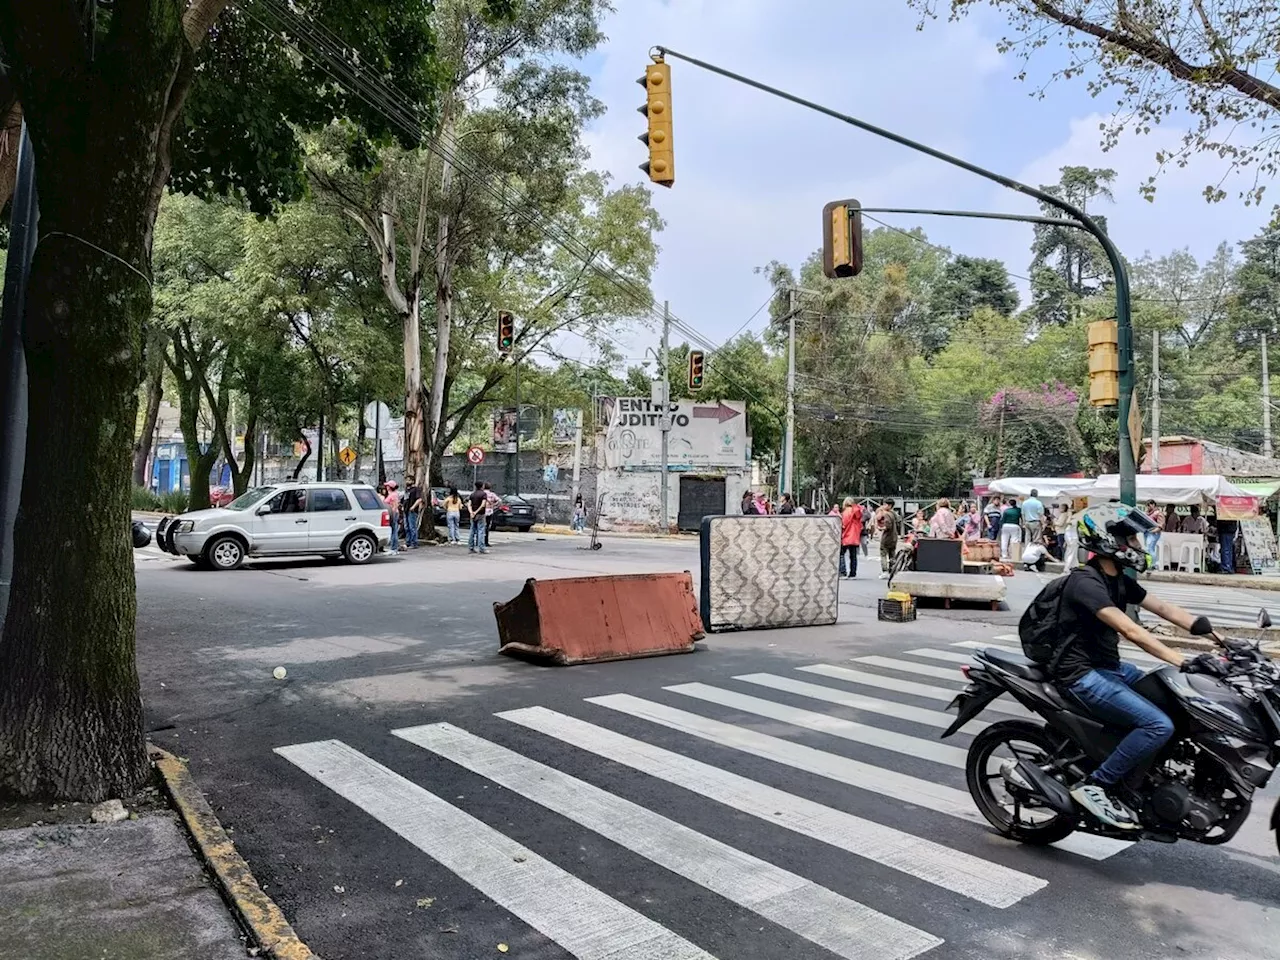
(279, 673)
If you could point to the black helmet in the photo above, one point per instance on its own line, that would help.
(1110, 531)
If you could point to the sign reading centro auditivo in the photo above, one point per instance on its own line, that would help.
(702, 435)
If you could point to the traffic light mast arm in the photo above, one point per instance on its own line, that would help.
(1128, 488)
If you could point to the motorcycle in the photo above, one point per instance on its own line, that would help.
(1200, 787)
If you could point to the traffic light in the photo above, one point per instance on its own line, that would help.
(696, 362)
(842, 239)
(661, 165)
(506, 331)
(1104, 364)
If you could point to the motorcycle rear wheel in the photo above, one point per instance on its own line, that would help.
(1011, 817)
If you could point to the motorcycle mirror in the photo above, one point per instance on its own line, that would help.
(1201, 627)
(1264, 619)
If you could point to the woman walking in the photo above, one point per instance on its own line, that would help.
(851, 534)
(453, 513)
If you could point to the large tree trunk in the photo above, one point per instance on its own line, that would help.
(142, 446)
(444, 292)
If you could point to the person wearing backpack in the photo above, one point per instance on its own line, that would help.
(1074, 627)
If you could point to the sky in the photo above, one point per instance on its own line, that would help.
(752, 171)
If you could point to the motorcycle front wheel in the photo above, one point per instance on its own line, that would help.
(1028, 821)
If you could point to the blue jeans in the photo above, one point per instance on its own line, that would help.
(452, 519)
(475, 541)
(411, 534)
(1227, 545)
(1109, 696)
(395, 530)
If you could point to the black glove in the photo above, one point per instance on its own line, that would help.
(1209, 663)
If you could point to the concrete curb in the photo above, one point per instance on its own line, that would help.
(1214, 580)
(256, 911)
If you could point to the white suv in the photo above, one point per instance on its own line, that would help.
(329, 519)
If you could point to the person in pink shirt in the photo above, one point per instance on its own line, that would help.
(943, 523)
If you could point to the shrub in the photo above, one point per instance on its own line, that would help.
(174, 502)
(144, 499)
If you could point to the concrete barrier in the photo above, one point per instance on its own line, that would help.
(975, 588)
(590, 619)
(771, 571)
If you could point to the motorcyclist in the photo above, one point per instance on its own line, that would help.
(1093, 617)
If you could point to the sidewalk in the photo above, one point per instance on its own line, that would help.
(111, 891)
(154, 884)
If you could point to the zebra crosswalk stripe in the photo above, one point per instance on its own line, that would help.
(943, 866)
(950, 674)
(845, 927)
(534, 889)
(868, 679)
(857, 701)
(855, 773)
(823, 723)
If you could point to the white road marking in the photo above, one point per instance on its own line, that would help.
(855, 773)
(943, 866)
(868, 679)
(587, 923)
(889, 708)
(823, 723)
(845, 927)
(951, 674)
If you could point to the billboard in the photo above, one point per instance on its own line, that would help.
(702, 435)
(565, 423)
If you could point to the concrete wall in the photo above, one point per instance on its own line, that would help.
(633, 498)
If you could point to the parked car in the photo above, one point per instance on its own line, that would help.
(346, 520)
(515, 513)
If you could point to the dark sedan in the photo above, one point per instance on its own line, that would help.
(514, 513)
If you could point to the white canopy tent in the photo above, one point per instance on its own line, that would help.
(1049, 488)
(1201, 489)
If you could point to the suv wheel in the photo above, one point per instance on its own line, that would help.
(360, 548)
(224, 553)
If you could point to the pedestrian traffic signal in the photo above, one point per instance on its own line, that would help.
(1104, 363)
(842, 239)
(506, 331)
(696, 362)
(661, 165)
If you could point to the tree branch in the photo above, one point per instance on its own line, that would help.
(199, 18)
(1165, 56)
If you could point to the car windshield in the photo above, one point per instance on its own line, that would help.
(249, 498)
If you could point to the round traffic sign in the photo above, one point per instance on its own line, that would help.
(475, 456)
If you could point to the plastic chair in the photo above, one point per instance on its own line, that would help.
(1164, 554)
(1191, 558)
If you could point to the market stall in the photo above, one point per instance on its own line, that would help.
(1047, 488)
(1232, 506)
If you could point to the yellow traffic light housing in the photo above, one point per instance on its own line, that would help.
(697, 361)
(506, 331)
(1104, 363)
(842, 239)
(661, 165)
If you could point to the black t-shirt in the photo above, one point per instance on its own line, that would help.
(1087, 591)
(478, 499)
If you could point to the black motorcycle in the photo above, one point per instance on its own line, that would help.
(1225, 746)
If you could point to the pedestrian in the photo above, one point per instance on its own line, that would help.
(476, 506)
(851, 534)
(1010, 528)
(1153, 537)
(786, 507)
(972, 521)
(453, 513)
(579, 515)
(919, 525)
(412, 515)
(992, 513)
(1227, 544)
(748, 504)
(887, 526)
(393, 512)
(943, 523)
(490, 506)
(1172, 522)
(1033, 516)
(868, 528)
(1195, 523)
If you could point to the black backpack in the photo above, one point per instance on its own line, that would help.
(1040, 628)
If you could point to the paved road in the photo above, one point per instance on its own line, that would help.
(407, 793)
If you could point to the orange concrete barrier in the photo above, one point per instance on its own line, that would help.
(588, 619)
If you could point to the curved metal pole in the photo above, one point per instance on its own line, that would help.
(1124, 320)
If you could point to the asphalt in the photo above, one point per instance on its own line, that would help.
(410, 641)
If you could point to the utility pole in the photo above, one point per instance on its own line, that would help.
(1266, 401)
(664, 417)
(1000, 441)
(320, 449)
(515, 358)
(1155, 401)
(787, 479)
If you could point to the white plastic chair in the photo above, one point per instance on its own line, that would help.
(1191, 558)
(1164, 554)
